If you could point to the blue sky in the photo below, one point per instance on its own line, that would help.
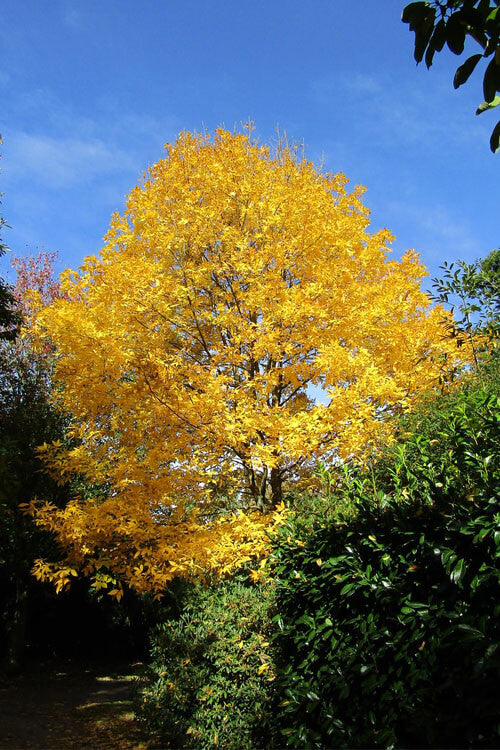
(92, 89)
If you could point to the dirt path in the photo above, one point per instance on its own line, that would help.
(66, 706)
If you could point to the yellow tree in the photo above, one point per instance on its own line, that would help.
(237, 279)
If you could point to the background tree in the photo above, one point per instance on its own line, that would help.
(486, 286)
(472, 292)
(437, 23)
(9, 317)
(236, 279)
(26, 419)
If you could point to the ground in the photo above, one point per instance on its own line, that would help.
(68, 705)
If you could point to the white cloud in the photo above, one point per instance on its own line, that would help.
(328, 88)
(72, 14)
(438, 233)
(117, 129)
(72, 18)
(63, 162)
(447, 231)
(387, 111)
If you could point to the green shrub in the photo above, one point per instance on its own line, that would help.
(445, 440)
(211, 678)
(390, 619)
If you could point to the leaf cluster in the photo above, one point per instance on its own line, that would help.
(437, 23)
(389, 620)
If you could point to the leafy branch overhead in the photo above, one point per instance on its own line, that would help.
(438, 23)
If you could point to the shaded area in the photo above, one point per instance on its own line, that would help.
(70, 705)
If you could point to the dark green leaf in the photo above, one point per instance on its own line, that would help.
(429, 54)
(313, 696)
(455, 34)
(495, 137)
(439, 35)
(414, 14)
(465, 70)
(458, 571)
(471, 16)
(436, 42)
(472, 631)
(422, 36)
(491, 81)
(484, 8)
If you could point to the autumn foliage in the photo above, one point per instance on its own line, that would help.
(236, 279)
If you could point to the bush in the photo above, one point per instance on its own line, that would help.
(390, 619)
(211, 678)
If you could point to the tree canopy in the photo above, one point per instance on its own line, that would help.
(237, 279)
(450, 22)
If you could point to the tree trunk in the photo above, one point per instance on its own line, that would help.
(16, 639)
(276, 488)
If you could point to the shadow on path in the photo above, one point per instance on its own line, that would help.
(67, 705)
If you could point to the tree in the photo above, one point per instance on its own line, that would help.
(236, 280)
(473, 291)
(27, 418)
(9, 317)
(437, 23)
(486, 288)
